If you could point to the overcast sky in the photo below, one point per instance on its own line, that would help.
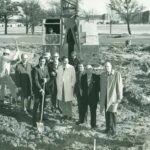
(98, 6)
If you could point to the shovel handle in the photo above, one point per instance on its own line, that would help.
(42, 106)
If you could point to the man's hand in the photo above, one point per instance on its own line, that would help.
(45, 80)
(53, 74)
(42, 91)
(119, 101)
(19, 88)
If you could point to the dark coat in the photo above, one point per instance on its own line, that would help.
(38, 82)
(78, 90)
(52, 69)
(91, 93)
(24, 79)
(74, 62)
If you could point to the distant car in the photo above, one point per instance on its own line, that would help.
(100, 22)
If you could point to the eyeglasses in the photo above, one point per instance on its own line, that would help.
(5, 54)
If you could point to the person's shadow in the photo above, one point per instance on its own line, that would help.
(11, 110)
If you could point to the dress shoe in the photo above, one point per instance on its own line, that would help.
(79, 122)
(111, 133)
(34, 124)
(94, 127)
(105, 131)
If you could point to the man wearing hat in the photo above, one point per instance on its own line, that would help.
(5, 67)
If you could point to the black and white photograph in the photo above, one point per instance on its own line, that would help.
(74, 75)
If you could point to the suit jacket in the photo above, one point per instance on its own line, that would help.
(78, 90)
(38, 82)
(91, 92)
(74, 62)
(52, 69)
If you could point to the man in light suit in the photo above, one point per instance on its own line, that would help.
(65, 80)
(111, 89)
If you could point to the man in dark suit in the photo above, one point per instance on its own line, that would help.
(40, 77)
(78, 90)
(52, 69)
(90, 95)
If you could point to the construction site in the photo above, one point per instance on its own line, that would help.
(133, 61)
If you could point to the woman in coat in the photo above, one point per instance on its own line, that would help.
(24, 81)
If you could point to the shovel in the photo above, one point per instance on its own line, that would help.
(40, 125)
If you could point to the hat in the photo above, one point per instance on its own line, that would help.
(47, 54)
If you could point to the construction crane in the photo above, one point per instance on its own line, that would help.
(62, 29)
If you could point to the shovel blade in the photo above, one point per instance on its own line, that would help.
(40, 127)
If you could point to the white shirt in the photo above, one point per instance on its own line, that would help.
(5, 64)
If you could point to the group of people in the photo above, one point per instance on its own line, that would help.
(105, 89)
(64, 80)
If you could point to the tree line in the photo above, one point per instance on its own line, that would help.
(31, 14)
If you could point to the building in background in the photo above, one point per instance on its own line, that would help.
(13, 22)
(146, 17)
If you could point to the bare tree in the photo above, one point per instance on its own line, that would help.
(126, 9)
(55, 9)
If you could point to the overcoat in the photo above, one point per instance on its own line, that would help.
(24, 79)
(111, 89)
(52, 69)
(65, 80)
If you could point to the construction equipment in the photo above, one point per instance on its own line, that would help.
(40, 125)
(65, 25)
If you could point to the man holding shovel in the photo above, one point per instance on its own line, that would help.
(40, 78)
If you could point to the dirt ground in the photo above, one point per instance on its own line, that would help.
(133, 123)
